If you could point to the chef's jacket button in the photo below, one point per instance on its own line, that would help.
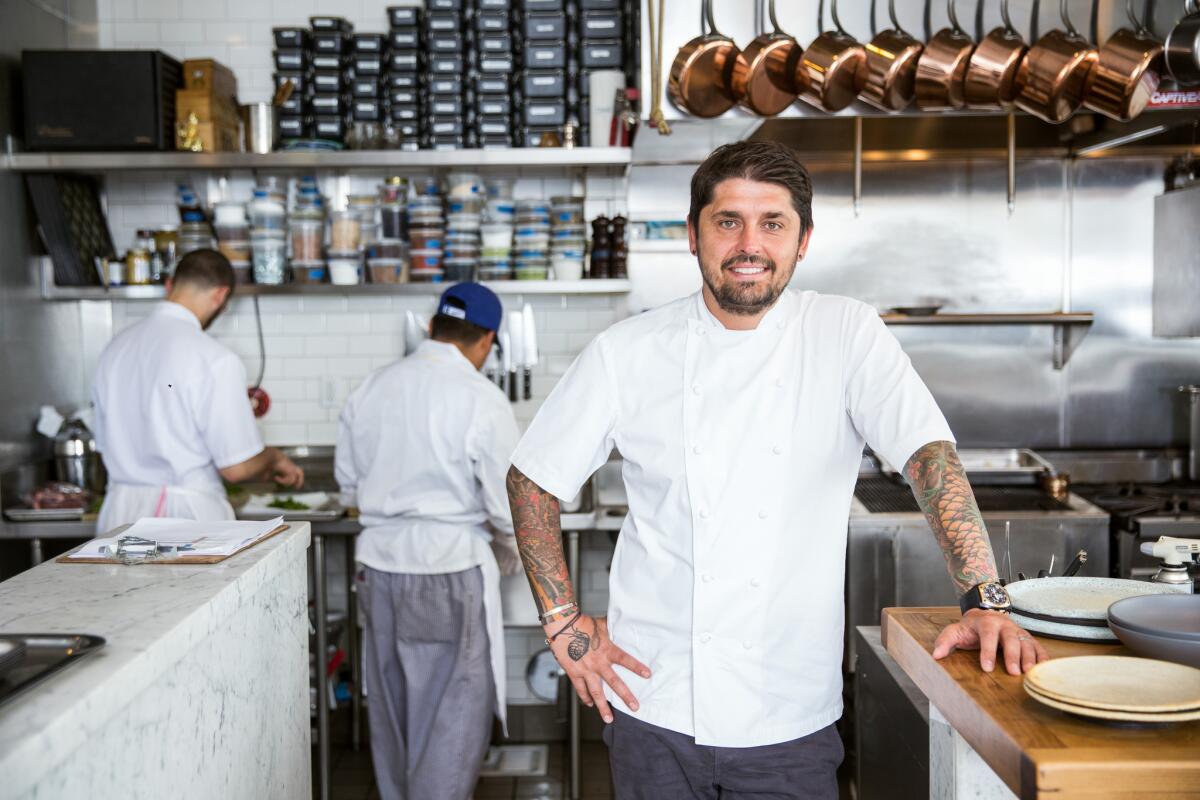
(755, 582)
(706, 578)
(762, 515)
(695, 388)
(748, 645)
(697, 449)
(777, 450)
(706, 638)
(704, 513)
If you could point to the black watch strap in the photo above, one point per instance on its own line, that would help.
(989, 596)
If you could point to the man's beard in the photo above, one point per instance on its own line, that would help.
(746, 298)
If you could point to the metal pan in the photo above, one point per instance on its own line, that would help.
(991, 80)
(942, 67)
(700, 79)
(891, 68)
(1051, 78)
(764, 74)
(1182, 50)
(832, 70)
(1126, 73)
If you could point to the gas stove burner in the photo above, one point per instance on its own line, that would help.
(1132, 499)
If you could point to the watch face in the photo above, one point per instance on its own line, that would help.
(994, 595)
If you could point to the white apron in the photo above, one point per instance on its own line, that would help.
(495, 623)
(126, 503)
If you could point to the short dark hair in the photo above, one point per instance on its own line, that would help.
(204, 269)
(768, 162)
(446, 328)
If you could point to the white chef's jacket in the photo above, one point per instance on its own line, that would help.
(423, 450)
(741, 451)
(171, 410)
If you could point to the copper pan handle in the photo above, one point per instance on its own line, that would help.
(775, 22)
(1066, 19)
(895, 21)
(952, 12)
(837, 21)
(708, 15)
(1008, 26)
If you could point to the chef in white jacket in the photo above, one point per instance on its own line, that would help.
(423, 447)
(172, 415)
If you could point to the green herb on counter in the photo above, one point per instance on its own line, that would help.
(288, 504)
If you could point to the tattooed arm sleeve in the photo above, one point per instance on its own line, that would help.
(538, 527)
(940, 485)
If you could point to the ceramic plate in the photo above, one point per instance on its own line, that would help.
(1175, 616)
(1117, 716)
(321, 506)
(1064, 630)
(1078, 598)
(1118, 683)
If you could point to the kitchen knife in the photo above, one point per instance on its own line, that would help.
(491, 366)
(516, 337)
(531, 349)
(414, 334)
(505, 359)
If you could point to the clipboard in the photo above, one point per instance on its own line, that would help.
(174, 560)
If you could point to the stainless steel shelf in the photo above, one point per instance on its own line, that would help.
(1070, 328)
(583, 287)
(346, 160)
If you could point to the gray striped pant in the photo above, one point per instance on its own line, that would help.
(428, 674)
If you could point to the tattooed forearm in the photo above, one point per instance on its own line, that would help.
(940, 485)
(539, 539)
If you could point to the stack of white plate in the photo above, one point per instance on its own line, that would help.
(1118, 688)
(1075, 609)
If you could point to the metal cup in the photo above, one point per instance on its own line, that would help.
(261, 127)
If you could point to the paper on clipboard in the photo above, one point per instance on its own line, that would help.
(201, 538)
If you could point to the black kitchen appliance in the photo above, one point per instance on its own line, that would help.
(72, 225)
(100, 99)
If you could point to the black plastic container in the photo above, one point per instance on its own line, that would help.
(546, 55)
(290, 37)
(291, 59)
(491, 84)
(331, 127)
(443, 22)
(600, 25)
(494, 125)
(493, 104)
(444, 5)
(496, 43)
(294, 105)
(328, 82)
(330, 105)
(404, 113)
(301, 81)
(545, 113)
(330, 42)
(497, 64)
(445, 105)
(543, 5)
(444, 42)
(328, 61)
(404, 97)
(335, 24)
(545, 83)
(544, 26)
(404, 16)
(404, 61)
(446, 64)
(492, 22)
(368, 65)
(447, 126)
(405, 39)
(292, 127)
(445, 84)
(365, 87)
(606, 54)
(402, 80)
(369, 42)
(368, 110)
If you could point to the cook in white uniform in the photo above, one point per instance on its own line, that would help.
(423, 447)
(172, 415)
(740, 413)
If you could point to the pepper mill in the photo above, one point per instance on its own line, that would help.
(601, 248)
(618, 248)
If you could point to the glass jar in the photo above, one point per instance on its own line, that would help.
(269, 257)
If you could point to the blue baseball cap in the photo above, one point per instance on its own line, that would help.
(474, 303)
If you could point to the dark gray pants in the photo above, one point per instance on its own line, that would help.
(652, 763)
(429, 682)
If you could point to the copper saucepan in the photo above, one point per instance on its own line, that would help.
(832, 70)
(1126, 72)
(764, 74)
(699, 83)
(891, 67)
(991, 79)
(943, 66)
(1050, 79)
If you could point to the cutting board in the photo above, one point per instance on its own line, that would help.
(1037, 751)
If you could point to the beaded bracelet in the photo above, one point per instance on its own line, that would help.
(564, 628)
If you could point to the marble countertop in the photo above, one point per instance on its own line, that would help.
(151, 616)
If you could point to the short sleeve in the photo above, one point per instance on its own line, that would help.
(224, 415)
(886, 399)
(572, 434)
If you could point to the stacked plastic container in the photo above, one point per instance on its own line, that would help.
(544, 55)
(368, 105)
(531, 240)
(332, 73)
(426, 233)
(493, 103)
(496, 232)
(568, 237)
(306, 234)
(233, 237)
(387, 256)
(449, 44)
(268, 245)
(464, 205)
(293, 61)
(602, 28)
(402, 79)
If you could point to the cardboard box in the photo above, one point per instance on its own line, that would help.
(214, 138)
(211, 76)
(206, 106)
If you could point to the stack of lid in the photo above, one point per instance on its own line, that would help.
(568, 235)
(495, 259)
(531, 240)
(465, 205)
(402, 79)
(426, 233)
(1075, 608)
(1117, 688)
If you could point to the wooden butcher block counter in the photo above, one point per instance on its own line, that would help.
(1037, 751)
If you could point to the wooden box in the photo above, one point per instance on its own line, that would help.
(211, 76)
(206, 106)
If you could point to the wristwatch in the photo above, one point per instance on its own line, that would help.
(990, 596)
